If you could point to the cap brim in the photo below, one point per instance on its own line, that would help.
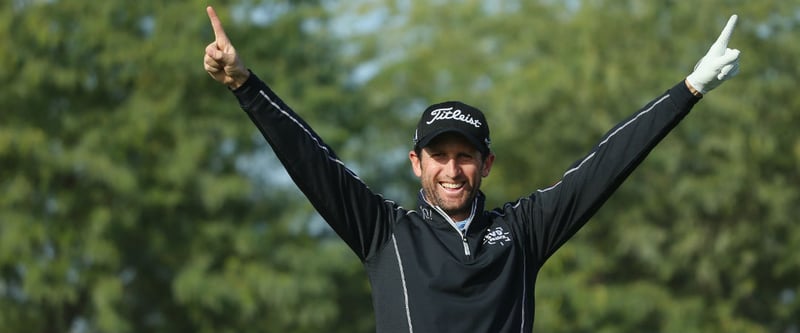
(480, 146)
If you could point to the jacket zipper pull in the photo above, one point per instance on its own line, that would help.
(466, 246)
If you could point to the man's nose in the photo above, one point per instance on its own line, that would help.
(452, 169)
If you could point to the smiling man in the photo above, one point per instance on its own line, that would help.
(451, 154)
(451, 264)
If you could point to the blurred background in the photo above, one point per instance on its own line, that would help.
(136, 196)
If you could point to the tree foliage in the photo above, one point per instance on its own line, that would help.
(127, 201)
(136, 197)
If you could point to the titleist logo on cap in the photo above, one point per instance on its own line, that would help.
(450, 114)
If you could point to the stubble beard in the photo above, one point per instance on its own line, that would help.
(450, 207)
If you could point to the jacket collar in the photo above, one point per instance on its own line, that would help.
(436, 216)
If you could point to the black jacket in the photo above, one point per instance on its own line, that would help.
(428, 277)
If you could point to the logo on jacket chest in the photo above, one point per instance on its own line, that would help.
(496, 235)
(427, 214)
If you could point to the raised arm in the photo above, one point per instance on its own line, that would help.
(560, 211)
(221, 60)
(363, 219)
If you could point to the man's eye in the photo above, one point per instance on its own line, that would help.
(466, 157)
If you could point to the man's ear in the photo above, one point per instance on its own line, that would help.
(415, 163)
(487, 165)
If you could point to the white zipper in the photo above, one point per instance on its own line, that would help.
(466, 246)
(461, 234)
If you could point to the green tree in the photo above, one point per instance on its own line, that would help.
(136, 197)
(131, 197)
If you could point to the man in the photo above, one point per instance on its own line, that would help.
(451, 265)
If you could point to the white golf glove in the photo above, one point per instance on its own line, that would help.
(719, 64)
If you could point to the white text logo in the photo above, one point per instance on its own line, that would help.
(496, 235)
(449, 113)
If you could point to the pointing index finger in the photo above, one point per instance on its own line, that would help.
(725, 36)
(219, 32)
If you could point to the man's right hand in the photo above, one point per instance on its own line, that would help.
(220, 60)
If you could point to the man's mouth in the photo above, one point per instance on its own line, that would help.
(451, 186)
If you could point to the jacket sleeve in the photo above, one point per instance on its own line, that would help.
(552, 215)
(359, 216)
